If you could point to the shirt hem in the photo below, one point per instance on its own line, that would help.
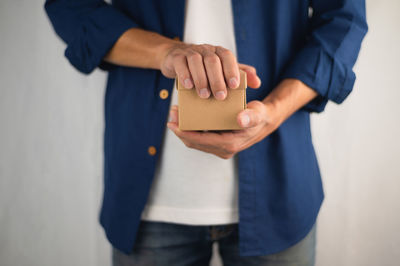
(190, 216)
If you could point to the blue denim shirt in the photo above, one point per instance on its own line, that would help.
(280, 190)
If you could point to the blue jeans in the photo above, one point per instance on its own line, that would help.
(164, 244)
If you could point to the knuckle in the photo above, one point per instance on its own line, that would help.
(206, 46)
(194, 56)
(253, 69)
(211, 59)
(225, 53)
(231, 148)
(180, 50)
(177, 57)
(190, 46)
(202, 48)
(258, 105)
(177, 51)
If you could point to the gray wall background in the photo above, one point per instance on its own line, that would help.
(51, 126)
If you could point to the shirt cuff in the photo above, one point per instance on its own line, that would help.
(97, 34)
(325, 74)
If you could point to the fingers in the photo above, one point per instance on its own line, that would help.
(255, 114)
(182, 70)
(210, 69)
(230, 67)
(253, 81)
(196, 67)
(215, 75)
(223, 146)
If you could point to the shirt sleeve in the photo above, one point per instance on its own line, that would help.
(89, 28)
(325, 63)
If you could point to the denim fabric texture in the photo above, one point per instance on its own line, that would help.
(164, 244)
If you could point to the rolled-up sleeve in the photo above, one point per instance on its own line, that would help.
(325, 63)
(89, 28)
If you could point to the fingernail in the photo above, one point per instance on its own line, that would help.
(233, 83)
(245, 119)
(188, 84)
(220, 95)
(204, 93)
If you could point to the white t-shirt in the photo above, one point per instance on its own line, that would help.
(191, 186)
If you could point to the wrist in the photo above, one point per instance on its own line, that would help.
(289, 96)
(164, 50)
(274, 112)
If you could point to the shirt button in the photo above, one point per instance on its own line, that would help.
(164, 94)
(152, 150)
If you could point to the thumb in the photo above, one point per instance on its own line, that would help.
(253, 115)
